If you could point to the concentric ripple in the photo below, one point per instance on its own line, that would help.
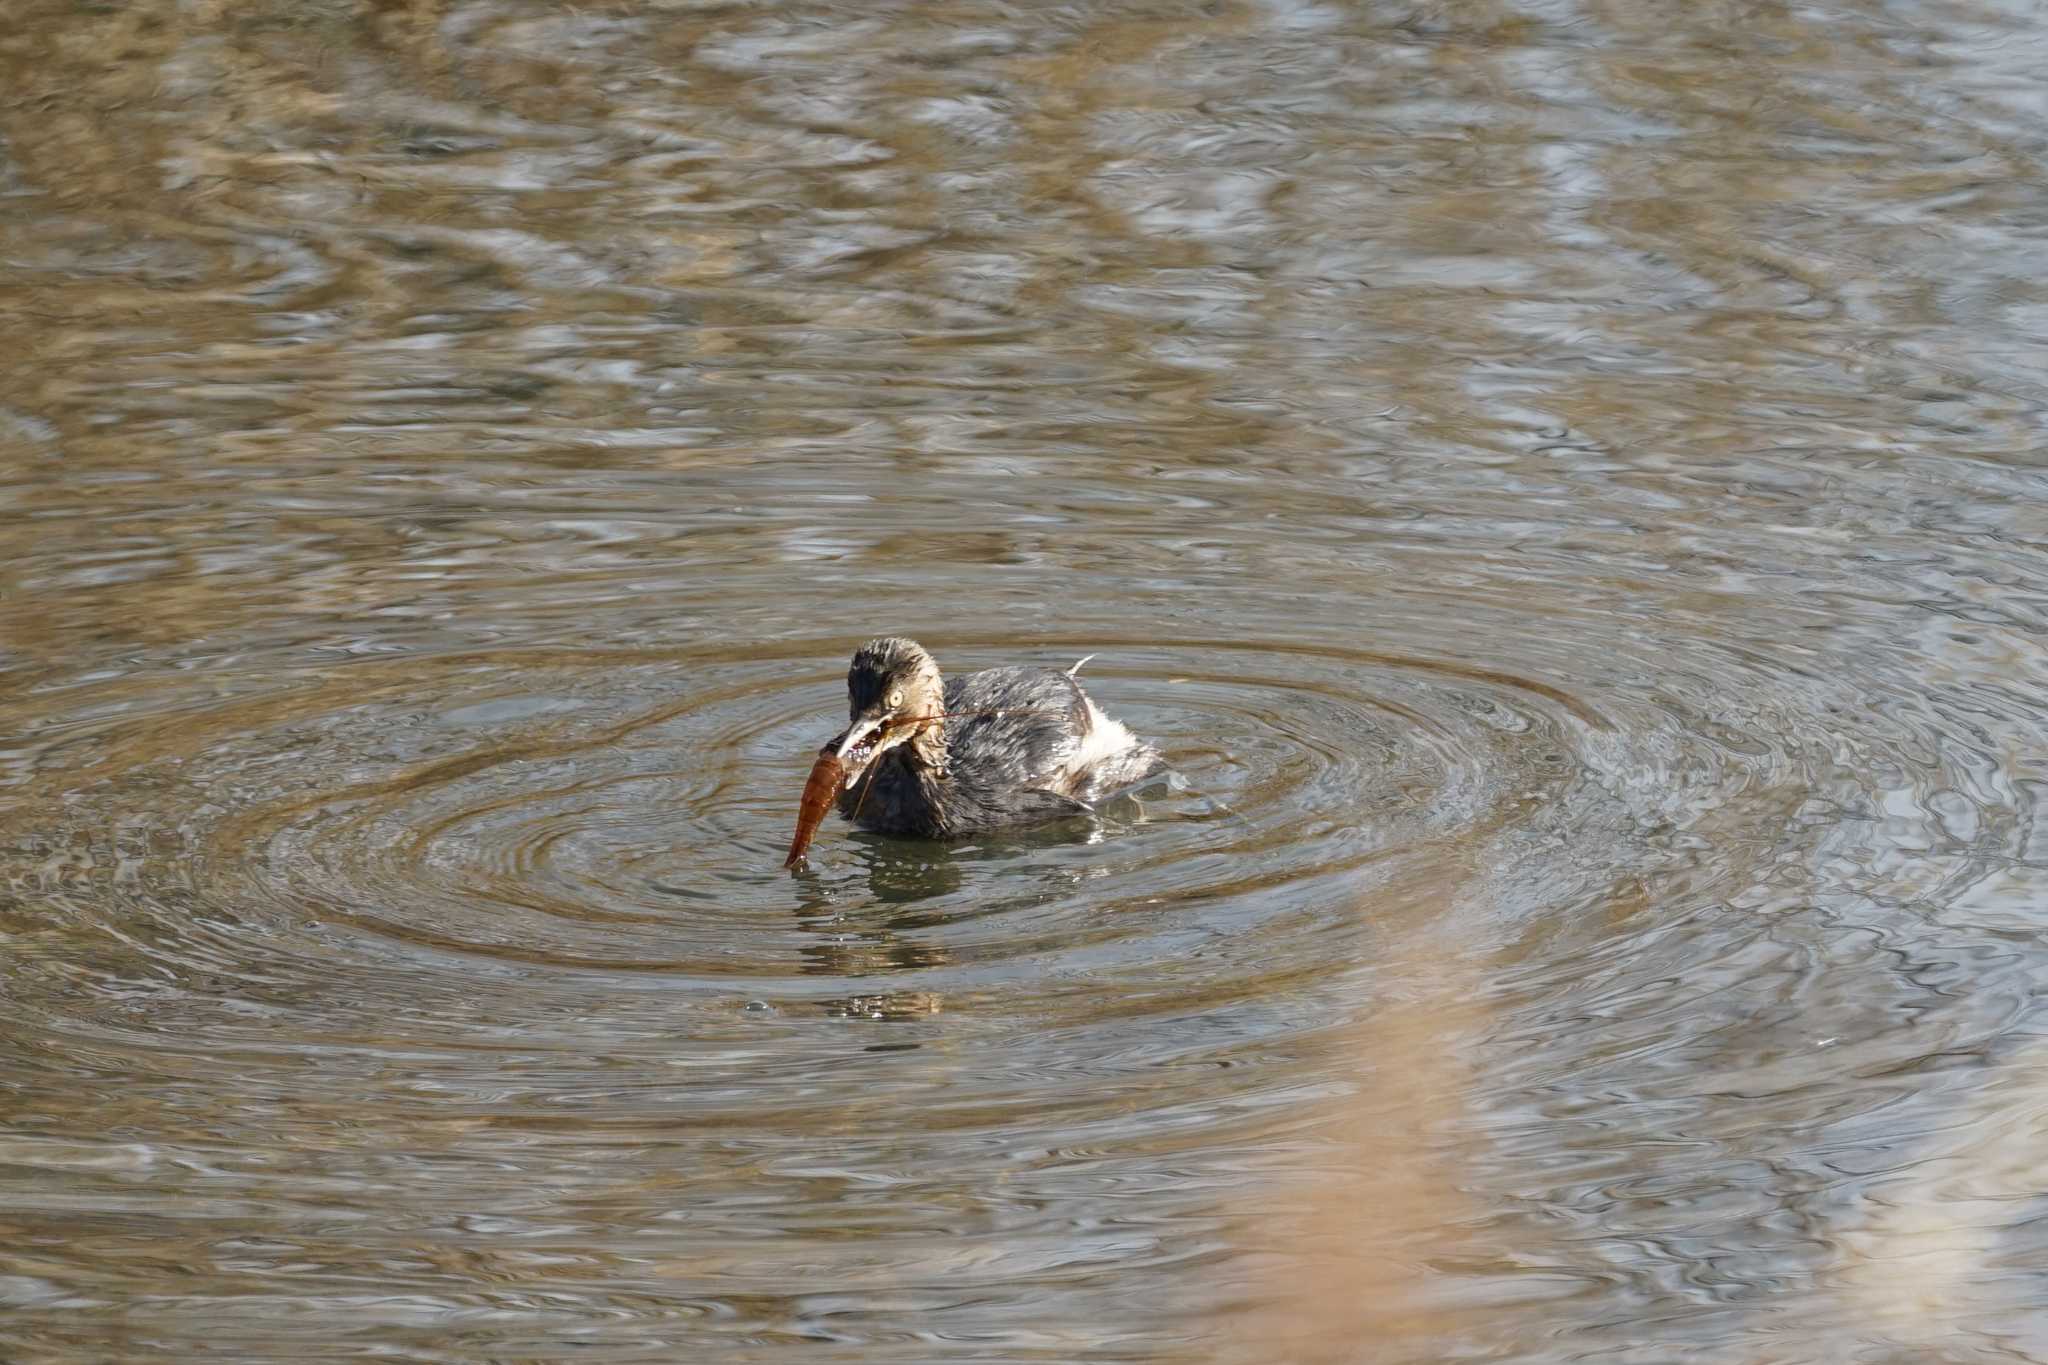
(627, 813)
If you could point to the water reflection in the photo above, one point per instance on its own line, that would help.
(1560, 481)
(865, 938)
(903, 871)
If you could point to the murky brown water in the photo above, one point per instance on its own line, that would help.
(1565, 482)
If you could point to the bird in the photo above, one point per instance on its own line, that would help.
(1003, 748)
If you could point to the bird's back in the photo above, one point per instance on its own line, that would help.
(1035, 729)
(1012, 727)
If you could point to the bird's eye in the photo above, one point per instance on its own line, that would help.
(895, 699)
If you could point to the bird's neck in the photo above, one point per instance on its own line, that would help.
(928, 748)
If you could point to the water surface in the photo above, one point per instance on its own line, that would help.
(1562, 481)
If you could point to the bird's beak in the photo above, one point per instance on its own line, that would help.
(858, 746)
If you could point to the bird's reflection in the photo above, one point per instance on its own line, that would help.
(911, 895)
(853, 936)
(908, 871)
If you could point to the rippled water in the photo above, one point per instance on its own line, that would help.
(1564, 483)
